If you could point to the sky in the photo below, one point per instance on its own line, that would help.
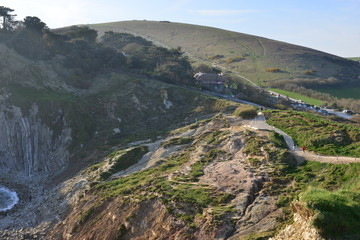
(331, 26)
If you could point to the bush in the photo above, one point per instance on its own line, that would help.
(125, 160)
(246, 112)
(177, 141)
(235, 59)
(273, 70)
(277, 139)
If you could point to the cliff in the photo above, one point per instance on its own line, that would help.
(202, 182)
(29, 147)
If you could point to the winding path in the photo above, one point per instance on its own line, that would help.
(260, 123)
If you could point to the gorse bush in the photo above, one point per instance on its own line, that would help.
(274, 70)
(246, 112)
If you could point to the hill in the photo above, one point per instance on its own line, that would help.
(65, 101)
(357, 59)
(215, 179)
(110, 140)
(264, 61)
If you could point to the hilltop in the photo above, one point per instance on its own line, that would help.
(264, 61)
(261, 61)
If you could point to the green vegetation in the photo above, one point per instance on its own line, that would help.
(88, 216)
(177, 141)
(351, 92)
(214, 137)
(310, 72)
(235, 59)
(295, 69)
(337, 212)
(123, 159)
(253, 146)
(258, 236)
(197, 168)
(297, 96)
(355, 59)
(215, 57)
(273, 70)
(317, 133)
(246, 112)
(252, 54)
(85, 58)
(331, 191)
(278, 140)
(181, 193)
(145, 184)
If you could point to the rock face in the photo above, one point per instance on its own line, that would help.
(301, 228)
(228, 198)
(28, 146)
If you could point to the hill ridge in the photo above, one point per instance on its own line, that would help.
(250, 55)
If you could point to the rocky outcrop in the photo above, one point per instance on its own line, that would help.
(301, 228)
(28, 146)
(237, 200)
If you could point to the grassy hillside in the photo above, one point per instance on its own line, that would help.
(105, 98)
(298, 97)
(262, 60)
(353, 92)
(330, 137)
(355, 59)
(196, 197)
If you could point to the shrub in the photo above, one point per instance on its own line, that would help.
(125, 160)
(177, 141)
(273, 70)
(214, 57)
(310, 72)
(277, 139)
(246, 112)
(234, 59)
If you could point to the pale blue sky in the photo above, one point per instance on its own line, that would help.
(332, 26)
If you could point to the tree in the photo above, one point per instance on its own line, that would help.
(34, 23)
(75, 33)
(7, 18)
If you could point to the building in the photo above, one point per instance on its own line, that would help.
(210, 78)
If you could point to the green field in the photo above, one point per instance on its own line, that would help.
(355, 59)
(342, 92)
(306, 99)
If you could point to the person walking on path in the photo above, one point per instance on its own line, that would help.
(303, 148)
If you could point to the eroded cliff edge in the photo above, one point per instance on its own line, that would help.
(206, 181)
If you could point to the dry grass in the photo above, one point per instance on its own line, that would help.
(257, 54)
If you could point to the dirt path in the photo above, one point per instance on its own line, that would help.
(260, 123)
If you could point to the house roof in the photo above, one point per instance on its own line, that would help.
(209, 78)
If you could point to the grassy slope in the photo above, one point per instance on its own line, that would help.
(331, 191)
(317, 133)
(255, 54)
(137, 101)
(342, 92)
(298, 96)
(355, 59)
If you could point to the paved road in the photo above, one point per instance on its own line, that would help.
(260, 123)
